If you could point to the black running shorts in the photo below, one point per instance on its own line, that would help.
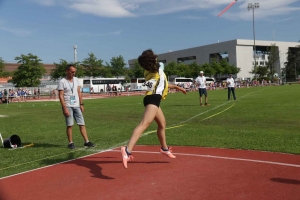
(152, 99)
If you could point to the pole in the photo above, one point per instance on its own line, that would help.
(253, 6)
(254, 47)
(75, 53)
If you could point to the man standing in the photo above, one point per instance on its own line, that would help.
(201, 82)
(231, 87)
(72, 105)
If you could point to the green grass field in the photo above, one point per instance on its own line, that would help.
(262, 118)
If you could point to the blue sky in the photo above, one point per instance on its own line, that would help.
(109, 28)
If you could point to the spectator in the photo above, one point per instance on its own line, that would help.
(70, 97)
(201, 82)
(231, 87)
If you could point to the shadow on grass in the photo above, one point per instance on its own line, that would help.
(286, 181)
(43, 145)
(93, 164)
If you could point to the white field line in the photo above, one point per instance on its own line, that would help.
(222, 157)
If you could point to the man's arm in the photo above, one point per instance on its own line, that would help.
(176, 87)
(62, 102)
(80, 98)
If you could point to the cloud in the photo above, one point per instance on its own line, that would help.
(132, 8)
(104, 8)
(88, 34)
(17, 32)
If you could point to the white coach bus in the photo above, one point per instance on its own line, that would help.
(136, 84)
(99, 85)
(186, 82)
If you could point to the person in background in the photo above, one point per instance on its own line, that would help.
(72, 105)
(231, 87)
(201, 82)
(157, 89)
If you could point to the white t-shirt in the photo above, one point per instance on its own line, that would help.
(70, 91)
(230, 82)
(201, 81)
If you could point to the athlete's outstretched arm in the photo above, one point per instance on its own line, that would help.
(177, 87)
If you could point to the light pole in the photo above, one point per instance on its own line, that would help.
(253, 6)
(75, 53)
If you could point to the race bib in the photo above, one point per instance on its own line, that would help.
(150, 84)
(72, 100)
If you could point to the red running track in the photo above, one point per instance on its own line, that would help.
(196, 173)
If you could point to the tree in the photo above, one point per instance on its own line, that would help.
(234, 70)
(92, 66)
(60, 70)
(29, 72)
(136, 71)
(170, 69)
(117, 65)
(262, 71)
(183, 70)
(3, 72)
(292, 65)
(195, 69)
(273, 58)
(208, 69)
(218, 66)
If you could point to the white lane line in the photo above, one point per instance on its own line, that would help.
(222, 157)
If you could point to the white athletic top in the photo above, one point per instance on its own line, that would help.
(201, 81)
(230, 82)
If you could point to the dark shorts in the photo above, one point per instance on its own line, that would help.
(202, 91)
(153, 99)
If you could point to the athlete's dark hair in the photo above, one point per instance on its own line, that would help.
(148, 61)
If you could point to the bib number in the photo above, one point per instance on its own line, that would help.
(150, 84)
(72, 100)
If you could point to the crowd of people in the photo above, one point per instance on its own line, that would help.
(112, 91)
(18, 95)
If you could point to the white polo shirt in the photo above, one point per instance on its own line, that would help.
(230, 82)
(201, 81)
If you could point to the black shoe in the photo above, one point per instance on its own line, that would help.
(88, 144)
(71, 146)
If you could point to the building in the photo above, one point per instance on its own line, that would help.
(10, 67)
(239, 53)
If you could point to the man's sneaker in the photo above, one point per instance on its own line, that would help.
(201, 104)
(207, 104)
(71, 146)
(125, 156)
(88, 144)
(167, 153)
